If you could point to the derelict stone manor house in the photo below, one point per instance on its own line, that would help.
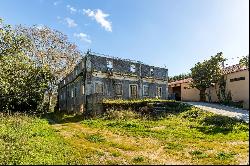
(97, 77)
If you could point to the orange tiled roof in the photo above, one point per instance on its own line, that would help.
(233, 68)
(226, 70)
(181, 81)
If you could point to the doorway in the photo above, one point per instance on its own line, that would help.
(133, 91)
(177, 93)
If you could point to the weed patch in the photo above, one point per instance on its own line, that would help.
(96, 138)
(198, 154)
(224, 155)
(138, 159)
(174, 146)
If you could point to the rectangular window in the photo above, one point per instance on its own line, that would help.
(118, 89)
(145, 90)
(133, 91)
(159, 91)
(237, 79)
(99, 87)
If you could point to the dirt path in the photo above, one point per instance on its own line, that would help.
(223, 110)
(125, 147)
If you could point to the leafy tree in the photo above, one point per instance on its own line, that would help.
(51, 48)
(22, 82)
(207, 73)
(10, 42)
(245, 61)
(179, 77)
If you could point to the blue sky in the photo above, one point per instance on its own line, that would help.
(172, 33)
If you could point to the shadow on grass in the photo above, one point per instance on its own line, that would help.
(168, 110)
(218, 124)
(62, 117)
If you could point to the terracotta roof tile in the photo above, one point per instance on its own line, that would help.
(181, 81)
(226, 70)
(233, 68)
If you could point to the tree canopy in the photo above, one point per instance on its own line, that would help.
(51, 48)
(179, 77)
(207, 73)
(244, 61)
(22, 82)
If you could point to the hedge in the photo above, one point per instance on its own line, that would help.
(140, 105)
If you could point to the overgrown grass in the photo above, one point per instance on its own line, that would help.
(30, 140)
(187, 136)
(192, 136)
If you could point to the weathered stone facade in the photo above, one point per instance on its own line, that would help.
(97, 77)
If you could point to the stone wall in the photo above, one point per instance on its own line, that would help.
(95, 68)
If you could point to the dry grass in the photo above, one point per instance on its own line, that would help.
(177, 139)
(117, 147)
(190, 137)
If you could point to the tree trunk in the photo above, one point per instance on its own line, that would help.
(49, 104)
(209, 96)
(203, 95)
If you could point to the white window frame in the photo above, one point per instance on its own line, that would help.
(121, 89)
(144, 86)
(130, 90)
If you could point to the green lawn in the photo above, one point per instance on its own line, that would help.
(190, 137)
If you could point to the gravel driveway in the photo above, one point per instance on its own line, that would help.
(223, 110)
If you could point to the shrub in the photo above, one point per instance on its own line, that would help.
(142, 106)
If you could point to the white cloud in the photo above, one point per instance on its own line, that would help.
(100, 17)
(71, 23)
(83, 37)
(56, 3)
(71, 8)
